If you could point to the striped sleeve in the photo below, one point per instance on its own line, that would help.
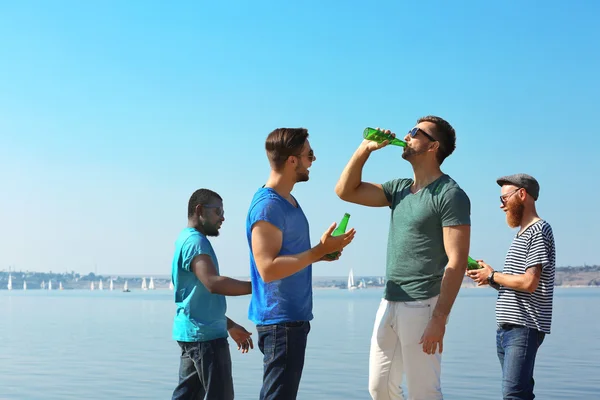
(539, 248)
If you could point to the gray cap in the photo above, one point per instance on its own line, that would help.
(524, 181)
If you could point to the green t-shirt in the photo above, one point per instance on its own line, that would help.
(416, 257)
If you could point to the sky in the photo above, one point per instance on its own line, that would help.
(112, 113)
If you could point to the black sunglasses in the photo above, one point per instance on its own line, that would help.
(413, 132)
(219, 209)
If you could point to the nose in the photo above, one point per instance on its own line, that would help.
(407, 137)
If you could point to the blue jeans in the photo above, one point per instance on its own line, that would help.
(517, 347)
(204, 371)
(283, 346)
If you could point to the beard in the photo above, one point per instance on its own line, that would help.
(409, 152)
(514, 213)
(210, 229)
(301, 174)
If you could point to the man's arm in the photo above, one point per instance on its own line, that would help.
(267, 240)
(456, 244)
(350, 186)
(527, 282)
(205, 271)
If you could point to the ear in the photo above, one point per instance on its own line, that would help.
(199, 209)
(435, 146)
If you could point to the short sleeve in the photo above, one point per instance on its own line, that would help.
(537, 253)
(269, 210)
(455, 208)
(194, 246)
(392, 188)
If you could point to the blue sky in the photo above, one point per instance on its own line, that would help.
(112, 113)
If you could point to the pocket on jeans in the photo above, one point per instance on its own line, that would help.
(267, 338)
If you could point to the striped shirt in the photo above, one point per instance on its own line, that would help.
(534, 246)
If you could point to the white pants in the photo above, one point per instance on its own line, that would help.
(395, 351)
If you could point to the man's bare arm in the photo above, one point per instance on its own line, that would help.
(456, 244)
(205, 271)
(266, 244)
(352, 189)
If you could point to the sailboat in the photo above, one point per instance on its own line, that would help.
(60, 286)
(24, 285)
(43, 285)
(100, 285)
(351, 285)
(92, 285)
(49, 284)
(151, 286)
(144, 287)
(171, 285)
(125, 289)
(9, 286)
(111, 286)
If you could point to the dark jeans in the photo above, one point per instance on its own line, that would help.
(517, 347)
(283, 346)
(205, 371)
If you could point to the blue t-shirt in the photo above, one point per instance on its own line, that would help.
(288, 299)
(200, 315)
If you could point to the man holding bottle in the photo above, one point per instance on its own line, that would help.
(525, 286)
(427, 252)
(281, 258)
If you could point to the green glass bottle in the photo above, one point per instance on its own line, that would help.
(340, 230)
(472, 264)
(380, 136)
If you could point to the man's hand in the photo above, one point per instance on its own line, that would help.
(371, 145)
(326, 257)
(331, 244)
(241, 336)
(480, 276)
(434, 335)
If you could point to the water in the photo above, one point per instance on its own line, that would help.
(101, 345)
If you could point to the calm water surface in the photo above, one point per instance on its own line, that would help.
(115, 345)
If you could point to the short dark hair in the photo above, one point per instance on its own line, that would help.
(201, 196)
(284, 142)
(444, 133)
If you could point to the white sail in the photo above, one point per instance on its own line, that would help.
(125, 289)
(43, 285)
(60, 286)
(92, 285)
(24, 285)
(9, 286)
(110, 286)
(144, 287)
(49, 284)
(171, 285)
(100, 285)
(151, 286)
(351, 284)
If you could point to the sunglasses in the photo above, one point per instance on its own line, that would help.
(219, 210)
(310, 155)
(504, 198)
(413, 132)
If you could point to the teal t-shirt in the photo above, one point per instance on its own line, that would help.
(199, 315)
(416, 257)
